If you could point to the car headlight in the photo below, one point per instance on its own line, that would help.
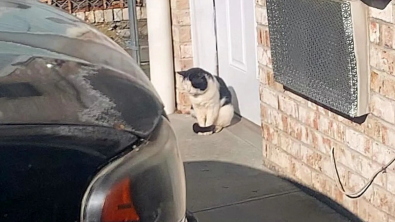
(145, 185)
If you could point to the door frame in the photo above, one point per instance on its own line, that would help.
(203, 33)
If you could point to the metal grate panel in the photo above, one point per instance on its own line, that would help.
(312, 46)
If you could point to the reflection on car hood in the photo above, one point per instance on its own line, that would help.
(55, 69)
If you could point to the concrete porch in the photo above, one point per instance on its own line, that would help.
(227, 182)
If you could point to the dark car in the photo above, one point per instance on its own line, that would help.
(83, 135)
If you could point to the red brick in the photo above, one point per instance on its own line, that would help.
(299, 131)
(268, 96)
(308, 117)
(331, 128)
(312, 105)
(285, 124)
(291, 146)
(324, 111)
(266, 76)
(382, 59)
(358, 142)
(265, 148)
(186, 50)
(325, 124)
(277, 86)
(275, 118)
(264, 56)
(368, 168)
(295, 97)
(376, 81)
(261, 15)
(369, 213)
(388, 136)
(280, 158)
(347, 122)
(316, 160)
(365, 167)
(343, 174)
(381, 153)
(381, 199)
(391, 182)
(300, 171)
(180, 4)
(288, 106)
(181, 17)
(388, 36)
(322, 184)
(182, 34)
(263, 35)
(269, 134)
(264, 113)
(261, 3)
(338, 132)
(374, 128)
(374, 32)
(358, 164)
(176, 49)
(388, 86)
(338, 196)
(183, 64)
(355, 182)
(350, 204)
(321, 142)
(382, 108)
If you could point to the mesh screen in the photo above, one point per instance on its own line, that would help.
(312, 49)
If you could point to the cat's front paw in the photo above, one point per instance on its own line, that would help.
(205, 133)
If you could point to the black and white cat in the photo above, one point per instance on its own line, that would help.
(210, 98)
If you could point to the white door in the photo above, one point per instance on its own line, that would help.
(237, 62)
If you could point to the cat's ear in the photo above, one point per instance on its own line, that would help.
(183, 73)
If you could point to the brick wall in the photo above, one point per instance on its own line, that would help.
(112, 22)
(115, 24)
(111, 18)
(298, 134)
(182, 43)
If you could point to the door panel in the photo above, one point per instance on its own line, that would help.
(236, 41)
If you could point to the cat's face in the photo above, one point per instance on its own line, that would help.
(194, 82)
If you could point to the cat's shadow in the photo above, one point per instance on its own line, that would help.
(235, 103)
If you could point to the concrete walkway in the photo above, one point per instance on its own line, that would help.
(226, 181)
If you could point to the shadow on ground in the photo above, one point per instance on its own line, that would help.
(226, 192)
(227, 182)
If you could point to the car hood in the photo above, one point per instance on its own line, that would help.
(55, 69)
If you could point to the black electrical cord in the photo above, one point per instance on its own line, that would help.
(365, 187)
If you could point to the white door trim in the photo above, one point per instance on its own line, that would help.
(203, 33)
(237, 55)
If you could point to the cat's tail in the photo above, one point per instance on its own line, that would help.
(200, 129)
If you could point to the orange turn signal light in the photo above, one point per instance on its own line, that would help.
(118, 206)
